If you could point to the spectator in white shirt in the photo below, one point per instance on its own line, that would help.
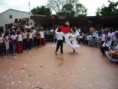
(106, 46)
(42, 37)
(34, 36)
(29, 39)
(20, 40)
(7, 40)
(103, 37)
(24, 39)
(14, 44)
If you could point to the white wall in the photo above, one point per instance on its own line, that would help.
(4, 17)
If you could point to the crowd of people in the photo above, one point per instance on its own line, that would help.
(20, 37)
(106, 39)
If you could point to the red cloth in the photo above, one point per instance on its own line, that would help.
(42, 41)
(20, 48)
(65, 29)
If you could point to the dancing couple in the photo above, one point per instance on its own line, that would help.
(70, 39)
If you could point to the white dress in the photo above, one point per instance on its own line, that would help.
(71, 40)
(7, 42)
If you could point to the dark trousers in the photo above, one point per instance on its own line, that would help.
(102, 43)
(47, 38)
(24, 44)
(34, 42)
(37, 41)
(29, 44)
(59, 45)
(103, 49)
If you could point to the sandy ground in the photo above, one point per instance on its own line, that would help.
(40, 68)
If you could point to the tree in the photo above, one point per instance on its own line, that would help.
(80, 10)
(41, 11)
(56, 5)
(110, 10)
(67, 8)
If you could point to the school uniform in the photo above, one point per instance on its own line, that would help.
(42, 38)
(106, 47)
(14, 44)
(103, 39)
(24, 41)
(20, 46)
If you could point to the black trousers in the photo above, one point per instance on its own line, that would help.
(24, 44)
(103, 49)
(59, 45)
(29, 44)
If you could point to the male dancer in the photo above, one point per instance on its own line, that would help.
(59, 36)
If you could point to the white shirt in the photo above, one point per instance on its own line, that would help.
(20, 37)
(103, 37)
(1, 40)
(107, 44)
(88, 38)
(110, 35)
(13, 37)
(95, 34)
(24, 35)
(42, 34)
(77, 33)
(116, 48)
(30, 35)
(34, 33)
(59, 35)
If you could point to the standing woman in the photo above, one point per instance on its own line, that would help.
(14, 43)
(24, 39)
(37, 37)
(7, 40)
(20, 42)
(71, 40)
(42, 37)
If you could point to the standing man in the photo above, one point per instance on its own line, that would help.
(59, 36)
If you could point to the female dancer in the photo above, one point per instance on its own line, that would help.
(71, 39)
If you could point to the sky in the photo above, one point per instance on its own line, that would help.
(22, 5)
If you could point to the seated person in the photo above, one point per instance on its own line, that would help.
(106, 46)
(114, 53)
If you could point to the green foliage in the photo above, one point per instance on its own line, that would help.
(110, 10)
(41, 11)
(67, 8)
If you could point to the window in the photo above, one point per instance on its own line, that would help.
(10, 16)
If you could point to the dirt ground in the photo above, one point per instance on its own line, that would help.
(40, 68)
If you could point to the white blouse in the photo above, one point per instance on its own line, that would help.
(20, 38)
(42, 34)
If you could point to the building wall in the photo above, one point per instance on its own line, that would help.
(5, 16)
